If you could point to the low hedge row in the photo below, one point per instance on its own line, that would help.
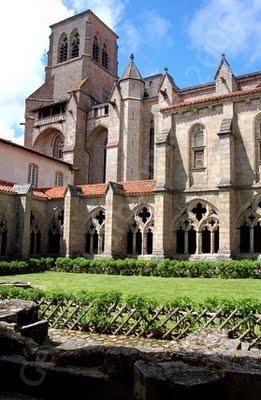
(165, 268)
(26, 267)
(102, 300)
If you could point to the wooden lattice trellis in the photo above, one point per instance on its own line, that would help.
(161, 322)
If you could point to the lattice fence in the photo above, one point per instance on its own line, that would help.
(160, 323)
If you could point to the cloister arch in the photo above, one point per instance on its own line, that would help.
(97, 152)
(196, 230)
(36, 224)
(95, 232)
(55, 232)
(249, 227)
(139, 231)
(3, 235)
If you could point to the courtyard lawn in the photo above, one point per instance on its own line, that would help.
(159, 288)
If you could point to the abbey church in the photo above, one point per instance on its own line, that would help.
(131, 166)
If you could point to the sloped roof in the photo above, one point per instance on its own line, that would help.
(223, 96)
(93, 190)
(131, 71)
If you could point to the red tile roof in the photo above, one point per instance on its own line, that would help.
(223, 96)
(95, 190)
(139, 187)
(6, 186)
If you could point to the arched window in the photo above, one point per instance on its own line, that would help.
(63, 49)
(197, 231)
(75, 45)
(55, 233)
(197, 147)
(258, 139)
(250, 229)
(59, 179)
(140, 233)
(95, 49)
(33, 175)
(151, 159)
(35, 235)
(94, 238)
(105, 63)
(58, 147)
(3, 236)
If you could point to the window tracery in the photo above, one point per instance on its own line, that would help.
(140, 232)
(95, 233)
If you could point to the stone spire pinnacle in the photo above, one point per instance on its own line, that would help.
(131, 71)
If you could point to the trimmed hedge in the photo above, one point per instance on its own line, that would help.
(26, 267)
(142, 303)
(129, 266)
(165, 268)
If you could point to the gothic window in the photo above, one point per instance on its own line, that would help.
(75, 45)
(58, 147)
(197, 147)
(94, 237)
(140, 233)
(250, 229)
(59, 179)
(151, 150)
(95, 49)
(55, 233)
(33, 175)
(105, 57)
(258, 139)
(35, 235)
(3, 237)
(63, 50)
(197, 230)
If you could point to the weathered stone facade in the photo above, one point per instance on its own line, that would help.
(159, 170)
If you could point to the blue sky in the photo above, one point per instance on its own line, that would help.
(186, 36)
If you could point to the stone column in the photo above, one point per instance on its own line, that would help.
(251, 239)
(24, 212)
(73, 239)
(212, 242)
(227, 203)
(186, 242)
(198, 242)
(115, 222)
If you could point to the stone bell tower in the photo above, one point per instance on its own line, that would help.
(81, 69)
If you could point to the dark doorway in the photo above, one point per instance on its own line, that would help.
(88, 243)
(3, 243)
(95, 242)
(257, 239)
(244, 239)
(206, 246)
(216, 240)
(130, 242)
(192, 245)
(138, 243)
(180, 241)
(149, 242)
(54, 243)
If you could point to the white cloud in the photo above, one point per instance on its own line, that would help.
(109, 11)
(151, 31)
(232, 26)
(24, 39)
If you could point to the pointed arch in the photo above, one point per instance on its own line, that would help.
(105, 57)
(95, 232)
(63, 48)
(196, 230)
(139, 231)
(74, 44)
(96, 49)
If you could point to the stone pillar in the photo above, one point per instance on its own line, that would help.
(163, 243)
(186, 242)
(198, 242)
(115, 222)
(212, 242)
(252, 239)
(227, 203)
(73, 237)
(24, 212)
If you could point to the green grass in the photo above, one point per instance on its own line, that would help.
(159, 288)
